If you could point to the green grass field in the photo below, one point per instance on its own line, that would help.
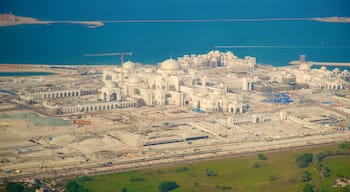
(237, 173)
(339, 165)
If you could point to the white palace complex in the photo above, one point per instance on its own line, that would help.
(212, 82)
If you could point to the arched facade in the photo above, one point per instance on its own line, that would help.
(96, 107)
(55, 94)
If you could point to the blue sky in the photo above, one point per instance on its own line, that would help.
(174, 9)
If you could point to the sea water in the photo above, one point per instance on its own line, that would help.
(271, 42)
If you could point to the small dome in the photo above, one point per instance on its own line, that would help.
(129, 65)
(345, 72)
(323, 68)
(134, 79)
(304, 67)
(336, 70)
(230, 55)
(170, 65)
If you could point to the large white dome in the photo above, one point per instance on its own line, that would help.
(324, 69)
(129, 65)
(336, 70)
(170, 65)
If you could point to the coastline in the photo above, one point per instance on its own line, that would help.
(333, 19)
(23, 20)
(29, 68)
(20, 20)
(23, 67)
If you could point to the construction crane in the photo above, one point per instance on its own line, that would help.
(122, 54)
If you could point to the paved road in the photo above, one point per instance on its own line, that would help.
(170, 159)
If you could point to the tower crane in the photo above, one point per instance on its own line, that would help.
(122, 54)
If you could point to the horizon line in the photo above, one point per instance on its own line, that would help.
(280, 46)
(183, 20)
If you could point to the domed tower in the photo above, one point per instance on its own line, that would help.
(169, 66)
(110, 91)
(129, 66)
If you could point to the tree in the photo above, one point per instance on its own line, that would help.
(210, 173)
(308, 188)
(168, 186)
(14, 187)
(326, 171)
(304, 160)
(72, 186)
(256, 165)
(273, 177)
(261, 156)
(124, 190)
(306, 176)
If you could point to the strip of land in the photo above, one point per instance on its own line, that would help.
(21, 20)
(333, 19)
(10, 19)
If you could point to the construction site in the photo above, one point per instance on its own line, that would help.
(90, 119)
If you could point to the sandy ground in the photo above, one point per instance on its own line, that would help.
(23, 68)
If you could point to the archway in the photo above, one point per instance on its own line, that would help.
(257, 120)
(113, 97)
(238, 110)
(141, 102)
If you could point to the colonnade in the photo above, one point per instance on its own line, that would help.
(55, 94)
(94, 107)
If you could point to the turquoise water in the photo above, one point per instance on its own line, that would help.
(154, 42)
(24, 73)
